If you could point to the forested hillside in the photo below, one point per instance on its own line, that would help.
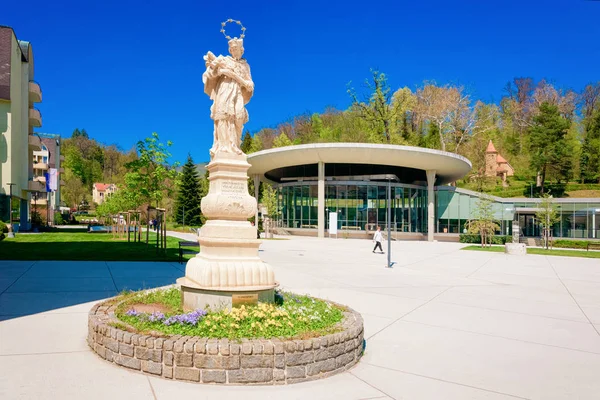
(540, 128)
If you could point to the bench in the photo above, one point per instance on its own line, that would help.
(183, 251)
(593, 246)
(310, 226)
(350, 227)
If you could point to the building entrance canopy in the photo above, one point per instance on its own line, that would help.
(343, 159)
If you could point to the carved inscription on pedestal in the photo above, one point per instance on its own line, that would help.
(244, 299)
(233, 189)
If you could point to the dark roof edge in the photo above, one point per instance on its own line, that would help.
(23, 56)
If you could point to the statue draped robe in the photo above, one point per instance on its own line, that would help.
(229, 99)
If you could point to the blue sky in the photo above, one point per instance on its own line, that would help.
(124, 69)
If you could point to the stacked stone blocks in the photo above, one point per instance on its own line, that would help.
(223, 361)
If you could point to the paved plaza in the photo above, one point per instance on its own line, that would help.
(442, 324)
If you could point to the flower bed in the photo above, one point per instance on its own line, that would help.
(291, 316)
(286, 342)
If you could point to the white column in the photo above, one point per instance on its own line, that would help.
(430, 204)
(256, 186)
(321, 199)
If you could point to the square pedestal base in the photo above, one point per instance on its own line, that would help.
(515, 248)
(194, 297)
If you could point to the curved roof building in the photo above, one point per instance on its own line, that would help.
(356, 181)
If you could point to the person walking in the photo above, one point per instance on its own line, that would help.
(378, 238)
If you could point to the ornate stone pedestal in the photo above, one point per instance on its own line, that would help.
(227, 270)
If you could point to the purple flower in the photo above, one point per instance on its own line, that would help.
(190, 318)
(156, 316)
(132, 313)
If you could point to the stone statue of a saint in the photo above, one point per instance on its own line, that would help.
(228, 82)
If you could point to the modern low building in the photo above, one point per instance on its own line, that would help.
(18, 118)
(102, 191)
(357, 181)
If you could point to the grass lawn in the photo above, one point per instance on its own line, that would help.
(544, 252)
(83, 246)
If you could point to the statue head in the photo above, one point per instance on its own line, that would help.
(236, 48)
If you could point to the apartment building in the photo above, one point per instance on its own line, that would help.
(18, 118)
(47, 161)
(102, 191)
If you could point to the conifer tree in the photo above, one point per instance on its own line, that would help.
(187, 207)
(550, 152)
(246, 143)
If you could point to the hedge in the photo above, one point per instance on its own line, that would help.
(497, 239)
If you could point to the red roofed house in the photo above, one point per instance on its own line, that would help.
(496, 165)
(101, 191)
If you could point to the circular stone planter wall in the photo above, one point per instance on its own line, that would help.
(223, 361)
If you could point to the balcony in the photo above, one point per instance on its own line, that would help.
(39, 202)
(61, 170)
(62, 158)
(34, 186)
(35, 143)
(40, 165)
(35, 92)
(41, 179)
(35, 117)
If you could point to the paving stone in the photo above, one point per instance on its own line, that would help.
(246, 347)
(235, 349)
(111, 344)
(184, 360)
(295, 372)
(279, 360)
(258, 361)
(212, 347)
(299, 358)
(320, 366)
(216, 362)
(212, 376)
(268, 348)
(128, 362)
(189, 345)
(186, 374)
(168, 357)
(126, 349)
(224, 347)
(141, 353)
(200, 346)
(152, 367)
(344, 359)
(255, 375)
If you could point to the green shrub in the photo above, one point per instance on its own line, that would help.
(498, 239)
(58, 219)
(570, 244)
(3, 227)
(36, 219)
(2, 236)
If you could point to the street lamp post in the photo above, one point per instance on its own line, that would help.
(389, 223)
(10, 185)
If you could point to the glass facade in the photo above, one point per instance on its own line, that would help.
(359, 205)
(578, 218)
(362, 206)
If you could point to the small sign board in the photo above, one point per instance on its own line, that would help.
(245, 298)
(333, 223)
